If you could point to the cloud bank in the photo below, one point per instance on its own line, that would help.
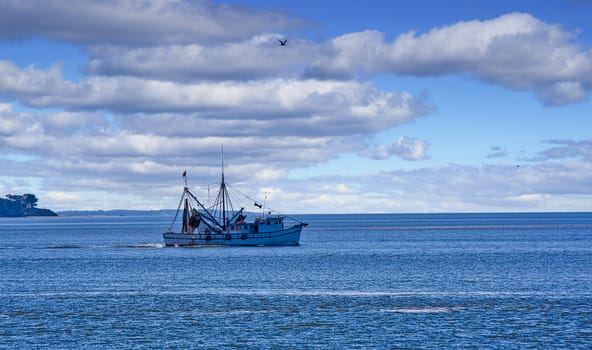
(166, 83)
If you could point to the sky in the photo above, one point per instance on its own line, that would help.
(371, 106)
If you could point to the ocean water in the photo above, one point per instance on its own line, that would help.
(425, 281)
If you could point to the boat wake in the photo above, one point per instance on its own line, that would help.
(124, 246)
(150, 245)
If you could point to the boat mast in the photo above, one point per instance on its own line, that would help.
(223, 191)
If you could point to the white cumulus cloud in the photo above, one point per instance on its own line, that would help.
(407, 148)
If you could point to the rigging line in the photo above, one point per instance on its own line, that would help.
(178, 209)
(273, 210)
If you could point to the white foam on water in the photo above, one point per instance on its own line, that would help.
(148, 245)
(426, 310)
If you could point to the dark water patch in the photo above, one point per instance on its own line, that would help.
(65, 246)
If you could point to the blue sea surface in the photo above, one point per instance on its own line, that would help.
(422, 281)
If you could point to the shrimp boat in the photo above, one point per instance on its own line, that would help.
(221, 225)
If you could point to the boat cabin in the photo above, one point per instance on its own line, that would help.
(261, 225)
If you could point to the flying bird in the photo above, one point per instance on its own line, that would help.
(282, 42)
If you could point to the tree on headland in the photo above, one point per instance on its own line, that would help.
(22, 205)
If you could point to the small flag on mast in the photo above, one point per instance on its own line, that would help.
(185, 173)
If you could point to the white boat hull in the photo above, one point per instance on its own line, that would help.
(284, 237)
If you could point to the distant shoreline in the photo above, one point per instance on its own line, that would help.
(117, 212)
(24, 205)
(168, 212)
(29, 212)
